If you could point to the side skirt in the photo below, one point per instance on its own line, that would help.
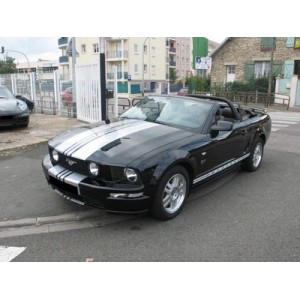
(219, 169)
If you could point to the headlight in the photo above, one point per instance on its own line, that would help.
(22, 105)
(131, 175)
(55, 155)
(94, 169)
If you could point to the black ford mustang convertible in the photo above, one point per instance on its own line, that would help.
(155, 153)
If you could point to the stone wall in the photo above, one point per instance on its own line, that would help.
(237, 50)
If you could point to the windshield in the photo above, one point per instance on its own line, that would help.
(5, 93)
(177, 112)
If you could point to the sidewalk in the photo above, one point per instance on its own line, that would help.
(41, 128)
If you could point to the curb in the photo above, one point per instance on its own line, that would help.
(38, 221)
(21, 147)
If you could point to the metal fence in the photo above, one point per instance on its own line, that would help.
(252, 98)
(45, 91)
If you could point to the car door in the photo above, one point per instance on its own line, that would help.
(223, 148)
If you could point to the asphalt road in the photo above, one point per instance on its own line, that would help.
(241, 217)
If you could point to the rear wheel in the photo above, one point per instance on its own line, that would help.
(253, 162)
(171, 194)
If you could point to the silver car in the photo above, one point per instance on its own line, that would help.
(13, 111)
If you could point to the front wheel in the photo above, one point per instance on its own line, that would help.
(171, 194)
(253, 162)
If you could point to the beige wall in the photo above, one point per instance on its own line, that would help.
(239, 50)
(183, 56)
(89, 56)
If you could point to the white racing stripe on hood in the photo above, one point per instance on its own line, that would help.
(85, 151)
(84, 137)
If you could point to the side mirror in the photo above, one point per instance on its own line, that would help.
(220, 126)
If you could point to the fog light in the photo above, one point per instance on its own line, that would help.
(130, 174)
(55, 155)
(94, 169)
(136, 195)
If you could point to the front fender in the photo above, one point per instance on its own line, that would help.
(153, 168)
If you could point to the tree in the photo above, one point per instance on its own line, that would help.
(172, 75)
(8, 66)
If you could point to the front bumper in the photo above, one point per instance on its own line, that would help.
(80, 189)
(14, 120)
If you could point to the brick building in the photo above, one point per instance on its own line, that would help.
(242, 58)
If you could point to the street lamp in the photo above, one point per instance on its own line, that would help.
(143, 70)
(28, 66)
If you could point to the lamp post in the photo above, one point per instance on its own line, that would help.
(143, 71)
(28, 66)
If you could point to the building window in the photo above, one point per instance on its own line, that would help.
(267, 43)
(261, 69)
(153, 69)
(153, 51)
(297, 43)
(145, 49)
(145, 68)
(135, 47)
(83, 48)
(230, 77)
(231, 69)
(96, 48)
(136, 68)
(297, 67)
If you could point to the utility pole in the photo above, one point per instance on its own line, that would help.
(271, 67)
(102, 78)
(74, 75)
(143, 70)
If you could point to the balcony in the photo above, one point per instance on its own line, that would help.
(172, 64)
(64, 60)
(172, 50)
(62, 42)
(116, 38)
(110, 75)
(117, 55)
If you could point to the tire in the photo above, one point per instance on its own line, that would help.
(253, 162)
(171, 194)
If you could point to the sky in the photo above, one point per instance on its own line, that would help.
(33, 47)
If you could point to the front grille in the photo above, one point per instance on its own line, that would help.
(65, 188)
(73, 164)
(7, 118)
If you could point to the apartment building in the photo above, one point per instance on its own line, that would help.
(152, 61)
(42, 68)
(184, 47)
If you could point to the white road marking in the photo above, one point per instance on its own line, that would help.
(283, 119)
(9, 253)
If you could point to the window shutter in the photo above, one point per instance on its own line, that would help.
(267, 43)
(288, 68)
(289, 42)
(249, 70)
(277, 68)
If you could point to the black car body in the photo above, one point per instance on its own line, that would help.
(13, 111)
(156, 152)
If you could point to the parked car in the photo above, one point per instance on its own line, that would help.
(183, 92)
(67, 96)
(13, 111)
(30, 104)
(155, 153)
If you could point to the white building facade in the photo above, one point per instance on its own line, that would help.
(148, 61)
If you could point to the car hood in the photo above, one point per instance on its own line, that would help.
(7, 105)
(118, 143)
